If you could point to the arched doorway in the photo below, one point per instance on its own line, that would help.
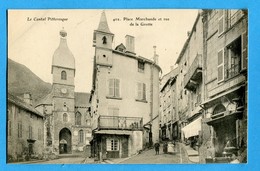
(65, 141)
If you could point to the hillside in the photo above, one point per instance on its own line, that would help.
(21, 80)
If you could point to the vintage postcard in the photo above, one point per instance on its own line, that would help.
(146, 86)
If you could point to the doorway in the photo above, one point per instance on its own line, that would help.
(65, 141)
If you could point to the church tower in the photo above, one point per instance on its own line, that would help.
(102, 40)
(63, 73)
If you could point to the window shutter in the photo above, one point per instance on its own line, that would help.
(244, 50)
(226, 62)
(221, 65)
(108, 145)
(111, 87)
(221, 22)
(144, 92)
(117, 88)
(139, 90)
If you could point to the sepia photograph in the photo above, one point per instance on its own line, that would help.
(127, 86)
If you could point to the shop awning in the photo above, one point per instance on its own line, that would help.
(115, 132)
(193, 128)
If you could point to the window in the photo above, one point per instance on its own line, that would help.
(20, 130)
(65, 117)
(114, 88)
(30, 132)
(141, 91)
(221, 21)
(63, 75)
(112, 145)
(219, 109)
(9, 128)
(104, 40)
(81, 136)
(78, 118)
(233, 16)
(221, 65)
(39, 134)
(112, 111)
(233, 62)
(140, 66)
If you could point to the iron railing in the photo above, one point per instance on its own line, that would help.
(196, 64)
(120, 122)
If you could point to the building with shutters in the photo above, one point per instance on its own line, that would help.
(190, 84)
(224, 130)
(24, 129)
(168, 116)
(67, 127)
(124, 97)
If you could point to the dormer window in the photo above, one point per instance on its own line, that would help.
(104, 40)
(63, 75)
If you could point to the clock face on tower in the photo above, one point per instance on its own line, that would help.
(63, 90)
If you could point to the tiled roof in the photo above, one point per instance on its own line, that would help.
(45, 100)
(82, 99)
(19, 102)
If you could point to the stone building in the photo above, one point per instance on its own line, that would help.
(225, 74)
(168, 116)
(124, 97)
(190, 83)
(67, 128)
(24, 129)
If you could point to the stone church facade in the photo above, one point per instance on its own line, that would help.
(67, 126)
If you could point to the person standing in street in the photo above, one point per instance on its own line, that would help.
(157, 147)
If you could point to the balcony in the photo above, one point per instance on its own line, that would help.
(120, 123)
(194, 75)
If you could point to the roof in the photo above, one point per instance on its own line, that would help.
(188, 40)
(62, 56)
(138, 58)
(103, 26)
(19, 102)
(46, 100)
(82, 99)
(167, 78)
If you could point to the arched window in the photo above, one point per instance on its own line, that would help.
(65, 117)
(81, 136)
(78, 118)
(104, 40)
(63, 75)
(219, 109)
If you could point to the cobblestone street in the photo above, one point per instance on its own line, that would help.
(149, 157)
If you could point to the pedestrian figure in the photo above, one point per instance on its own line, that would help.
(157, 147)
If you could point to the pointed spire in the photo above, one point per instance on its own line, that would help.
(103, 26)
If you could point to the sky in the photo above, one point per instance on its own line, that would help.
(33, 36)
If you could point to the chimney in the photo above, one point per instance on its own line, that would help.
(155, 56)
(27, 97)
(130, 44)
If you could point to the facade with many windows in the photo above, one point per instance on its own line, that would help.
(190, 83)
(25, 130)
(225, 106)
(168, 116)
(124, 97)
